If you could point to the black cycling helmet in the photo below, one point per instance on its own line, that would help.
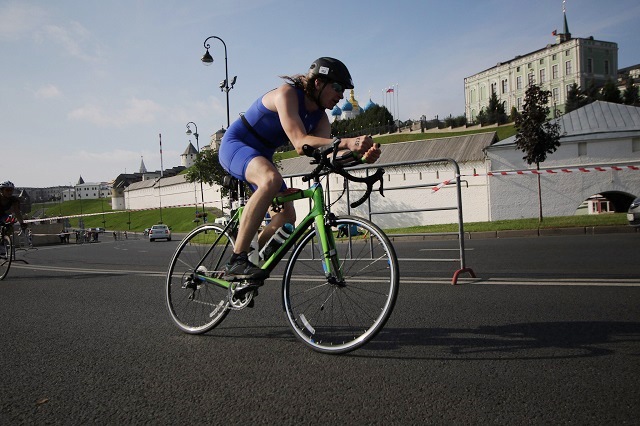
(331, 69)
(7, 184)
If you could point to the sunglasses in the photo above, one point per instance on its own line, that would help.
(337, 87)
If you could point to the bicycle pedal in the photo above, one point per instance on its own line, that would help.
(246, 287)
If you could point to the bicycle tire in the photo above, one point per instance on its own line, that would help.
(5, 261)
(196, 305)
(340, 317)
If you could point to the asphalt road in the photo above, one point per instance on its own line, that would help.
(548, 332)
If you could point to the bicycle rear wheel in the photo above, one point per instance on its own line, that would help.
(338, 316)
(6, 252)
(195, 304)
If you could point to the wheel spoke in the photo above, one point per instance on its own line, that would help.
(197, 304)
(341, 316)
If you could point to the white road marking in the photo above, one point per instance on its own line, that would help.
(462, 280)
(595, 282)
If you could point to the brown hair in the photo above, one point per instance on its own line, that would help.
(304, 82)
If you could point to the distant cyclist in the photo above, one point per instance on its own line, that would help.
(9, 204)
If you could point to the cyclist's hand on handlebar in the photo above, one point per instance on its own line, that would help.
(347, 158)
(372, 155)
(359, 145)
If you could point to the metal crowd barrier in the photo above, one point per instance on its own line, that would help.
(458, 206)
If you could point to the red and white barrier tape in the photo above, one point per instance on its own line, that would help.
(112, 212)
(445, 183)
(545, 171)
(565, 170)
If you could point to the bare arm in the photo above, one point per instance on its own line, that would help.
(285, 102)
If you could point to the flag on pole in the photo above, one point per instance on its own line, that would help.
(554, 32)
(390, 90)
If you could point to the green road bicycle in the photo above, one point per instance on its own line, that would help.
(337, 292)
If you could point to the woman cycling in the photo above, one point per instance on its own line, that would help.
(293, 112)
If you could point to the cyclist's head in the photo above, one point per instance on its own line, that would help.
(7, 186)
(325, 72)
(331, 70)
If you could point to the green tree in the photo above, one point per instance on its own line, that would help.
(631, 95)
(514, 114)
(592, 92)
(495, 110)
(206, 169)
(611, 93)
(461, 120)
(482, 117)
(449, 121)
(575, 99)
(458, 121)
(493, 113)
(374, 120)
(537, 137)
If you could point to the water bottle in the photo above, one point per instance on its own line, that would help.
(276, 241)
(253, 250)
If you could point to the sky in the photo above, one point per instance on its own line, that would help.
(87, 87)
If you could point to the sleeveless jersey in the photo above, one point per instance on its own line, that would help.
(267, 124)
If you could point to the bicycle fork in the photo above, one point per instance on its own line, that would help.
(330, 261)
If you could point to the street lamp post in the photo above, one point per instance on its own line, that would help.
(159, 182)
(104, 222)
(189, 132)
(225, 85)
(79, 197)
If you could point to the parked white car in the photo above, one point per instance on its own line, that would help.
(159, 232)
(634, 213)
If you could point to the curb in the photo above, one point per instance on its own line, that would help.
(543, 232)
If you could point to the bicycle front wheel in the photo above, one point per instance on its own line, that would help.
(197, 305)
(334, 315)
(5, 256)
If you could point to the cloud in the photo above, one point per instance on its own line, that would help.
(48, 92)
(136, 111)
(18, 20)
(72, 38)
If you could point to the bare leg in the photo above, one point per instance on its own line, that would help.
(264, 175)
(286, 215)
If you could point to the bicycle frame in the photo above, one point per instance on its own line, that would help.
(316, 215)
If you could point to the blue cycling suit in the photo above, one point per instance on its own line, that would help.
(239, 146)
